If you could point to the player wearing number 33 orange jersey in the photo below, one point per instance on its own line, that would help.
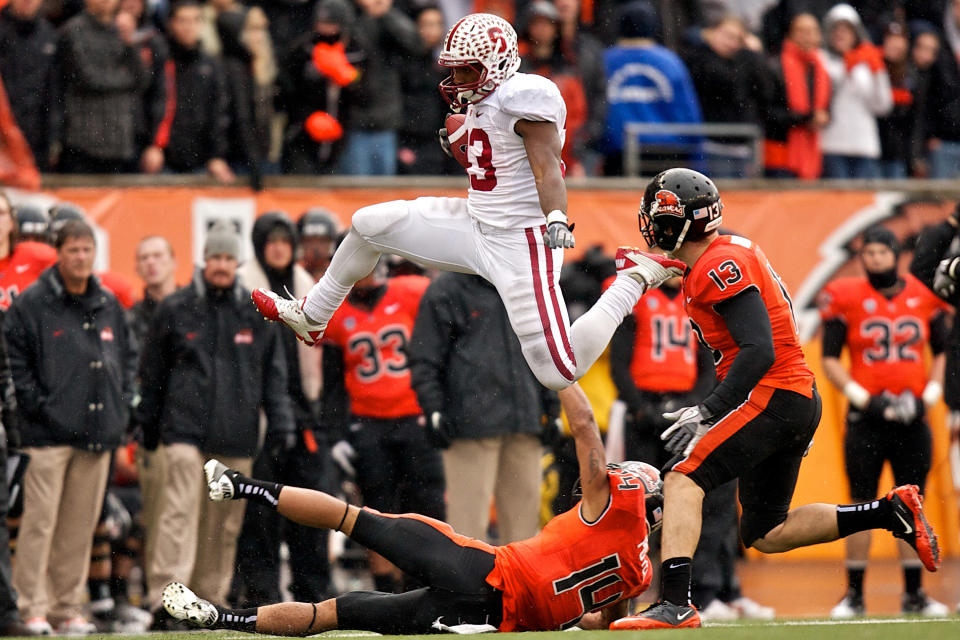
(758, 422)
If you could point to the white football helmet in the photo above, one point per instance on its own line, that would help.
(486, 43)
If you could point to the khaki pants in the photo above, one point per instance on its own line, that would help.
(196, 539)
(506, 468)
(63, 492)
(151, 473)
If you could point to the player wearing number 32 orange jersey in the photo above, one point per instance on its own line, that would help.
(758, 422)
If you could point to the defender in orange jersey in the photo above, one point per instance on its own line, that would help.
(580, 570)
(758, 422)
(886, 320)
(22, 259)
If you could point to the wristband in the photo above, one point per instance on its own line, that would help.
(932, 393)
(857, 395)
(556, 216)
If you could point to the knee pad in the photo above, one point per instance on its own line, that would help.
(379, 219)
(755, 526)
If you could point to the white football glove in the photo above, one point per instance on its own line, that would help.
(558, 234)
(945, 277)
(344, 454)
(684, 434)
(444, 141)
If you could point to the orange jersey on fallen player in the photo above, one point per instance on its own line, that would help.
(732, 264)
(664, 351)
(374, 344)
(571, 568)
(886, 338)
(22, 267)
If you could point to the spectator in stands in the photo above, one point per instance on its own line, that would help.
(313, 73)
(209, 36)
(861, 94)
(28, 45)
(646, 82)
(924, 52)
(374, 113)
(797, 103)
(490, 434)
(587, 52)
(100, 84)
(208, 350)
(318, 230)
(728, 78)
(903, 124)
(198, 116)
(299, 458)
(420, 154)
(542, 52)
(370, 409)
(943, 107)
(155, 54)
(250, 72)
(74, 407)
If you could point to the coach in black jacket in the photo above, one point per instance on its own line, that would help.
(72, 361)
(210, 363)
(482, 404)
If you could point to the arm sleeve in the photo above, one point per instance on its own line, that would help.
(335, 407)
(747, 320)
(939, 333)
(430, 343)
(126, 75)
(621, 355)
(276, 397)
(834, 337)
(706, 373)
(221, 114)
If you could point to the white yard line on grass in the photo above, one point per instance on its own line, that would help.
(825, 623)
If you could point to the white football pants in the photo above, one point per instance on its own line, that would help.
(439, 233)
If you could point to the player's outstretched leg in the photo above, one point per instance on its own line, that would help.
(283, 619)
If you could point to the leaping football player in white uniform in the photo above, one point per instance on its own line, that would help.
(512, 226)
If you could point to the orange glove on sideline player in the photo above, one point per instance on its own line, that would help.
(331, 61)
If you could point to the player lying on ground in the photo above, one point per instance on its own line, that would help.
(510, 229)
(581, 569)
(758, 422)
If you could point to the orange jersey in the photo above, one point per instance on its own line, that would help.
(22, 267)
(571, 568)
(664, 353)
(374, 344)
(732, 264)
(886, 338)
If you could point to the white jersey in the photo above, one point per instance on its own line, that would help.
(503, 192)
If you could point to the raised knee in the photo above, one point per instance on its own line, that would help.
(378, 219)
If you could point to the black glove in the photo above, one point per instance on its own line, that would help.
(444, 141)
(280, 442)
(876, 409)
(439, 432)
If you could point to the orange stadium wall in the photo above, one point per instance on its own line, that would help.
(804, 233)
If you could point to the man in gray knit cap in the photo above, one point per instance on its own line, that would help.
(210, 364)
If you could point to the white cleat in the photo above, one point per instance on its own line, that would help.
(923, 605)
(718, 611)
(289, 311)
(649, 269)
(220, 487)
(752, 610)
(183, 604)
(848, 607)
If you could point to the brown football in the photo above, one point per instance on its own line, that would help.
(457, 134)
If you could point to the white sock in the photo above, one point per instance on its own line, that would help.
(354, 259)
(592, 331)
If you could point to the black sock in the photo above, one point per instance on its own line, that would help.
(855, 580)
(266, 493)
(99, 589)
(118, 587)
(864, 516)
(911, 579)
(237, 619)
(384, 582)
(675, 580)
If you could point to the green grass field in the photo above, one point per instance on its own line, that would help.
(875, 629)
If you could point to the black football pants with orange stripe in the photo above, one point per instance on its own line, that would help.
(761, 443)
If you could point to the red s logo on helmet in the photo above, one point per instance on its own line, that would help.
(667, 202)
(497, 38)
